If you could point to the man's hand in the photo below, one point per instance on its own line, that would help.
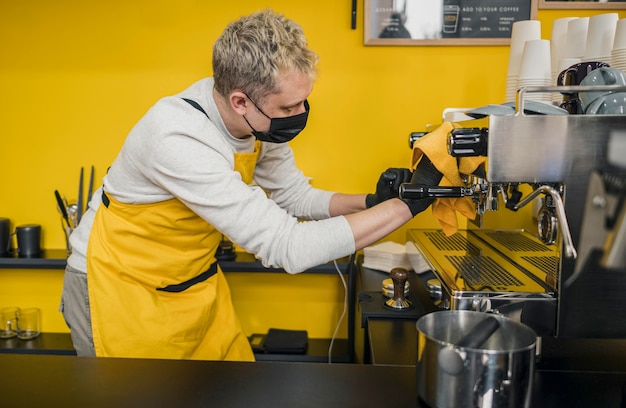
(425, 174)
(388, 185)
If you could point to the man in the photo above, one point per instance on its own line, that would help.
(142, 279)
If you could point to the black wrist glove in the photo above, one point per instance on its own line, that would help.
(388, 185)
(425, 174)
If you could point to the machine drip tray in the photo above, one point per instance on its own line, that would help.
(492, 271)
(488, 261)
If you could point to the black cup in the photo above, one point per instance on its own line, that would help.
(572, 105)
(572, 76)
(576, 73)
(28, 240)
(5, 237)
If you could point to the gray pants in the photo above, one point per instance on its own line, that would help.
(75, 309)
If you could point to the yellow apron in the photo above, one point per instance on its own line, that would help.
(155, 289)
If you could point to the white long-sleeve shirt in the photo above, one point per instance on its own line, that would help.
(175, 151)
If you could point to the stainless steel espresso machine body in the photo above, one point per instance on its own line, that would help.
(548, 246)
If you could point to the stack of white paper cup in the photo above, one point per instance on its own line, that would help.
(557, 49)
(558, 40)
(521, 32)
(535, 69)
(600, 36)
(576, 40)
(618, 53)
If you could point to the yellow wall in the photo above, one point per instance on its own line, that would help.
(311, 302)
(76, 75)
(34, 288)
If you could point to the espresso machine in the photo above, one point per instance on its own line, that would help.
(548, 245)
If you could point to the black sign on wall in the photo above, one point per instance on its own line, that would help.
(444, 22)
(482, 18)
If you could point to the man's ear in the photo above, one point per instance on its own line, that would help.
(238, 102)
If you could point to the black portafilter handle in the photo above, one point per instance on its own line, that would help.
(419, 191)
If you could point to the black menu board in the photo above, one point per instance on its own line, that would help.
(482, 18)
(406, 22)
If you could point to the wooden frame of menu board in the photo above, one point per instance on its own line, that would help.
(582, 5)
(444, 22)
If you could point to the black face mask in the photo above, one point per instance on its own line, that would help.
(281, 129)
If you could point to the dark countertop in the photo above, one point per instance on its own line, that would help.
(43, 380)
(37, 380)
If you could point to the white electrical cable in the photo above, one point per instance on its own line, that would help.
(345, 307)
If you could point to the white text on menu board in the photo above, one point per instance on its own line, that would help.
(490, 9)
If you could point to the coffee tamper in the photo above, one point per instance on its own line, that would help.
(399, 276)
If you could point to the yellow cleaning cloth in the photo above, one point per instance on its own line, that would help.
(435, 146)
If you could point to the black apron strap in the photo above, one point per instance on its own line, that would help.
(179, 287)
(105, 199)
(196, 105)
(187, 284)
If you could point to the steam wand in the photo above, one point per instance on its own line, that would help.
(568, 244)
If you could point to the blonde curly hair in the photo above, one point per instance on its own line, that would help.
(252, 52)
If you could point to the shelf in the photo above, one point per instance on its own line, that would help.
(50, 259)
(61, 344)
(243, 262)
(45, 343)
